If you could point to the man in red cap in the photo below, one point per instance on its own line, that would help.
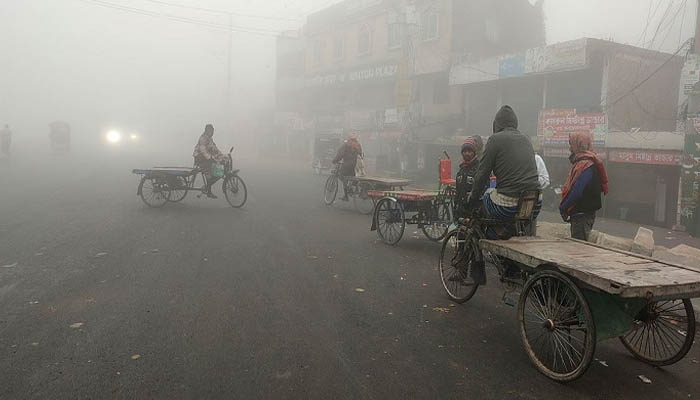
(465, 176)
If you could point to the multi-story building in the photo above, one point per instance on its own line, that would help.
(380, 68)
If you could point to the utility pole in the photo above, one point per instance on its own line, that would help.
(229, 72)
(696, 47)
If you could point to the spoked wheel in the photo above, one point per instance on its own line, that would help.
(235, 191)
(155, 192)
(556, 326)
(178, 189)
(456, 259)
(390, 221)
(439, 222)
(363, 203)
(663, 332)
(330, 191)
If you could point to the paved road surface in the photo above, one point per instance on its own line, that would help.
(252, 303)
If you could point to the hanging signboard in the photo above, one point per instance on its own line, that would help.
(557, 57)
(655, 157)
(555, 126)
(367, 74)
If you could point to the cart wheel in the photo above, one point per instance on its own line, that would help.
(556, 326)
(457, 255)
(663, 332)
(363, 203)
(178, 189)
(235, 191)
(154, 191)
(390, 221)
(438, 223)
(330, 190)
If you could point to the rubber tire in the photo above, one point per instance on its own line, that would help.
(153, 205)
(358, 201)
(330, 195)
(377, 208)
(452, 297)
(173, 197)
(241, 186)
(589, 351)
(447, 228)
(687, 344)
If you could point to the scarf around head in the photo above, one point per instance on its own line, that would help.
(584, 157)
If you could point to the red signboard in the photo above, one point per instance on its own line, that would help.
(646, 157)
(555, 125)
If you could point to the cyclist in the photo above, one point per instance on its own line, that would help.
(348, 153)
(205, 155)
(511, 158)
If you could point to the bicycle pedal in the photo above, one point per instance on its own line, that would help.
(509, 301)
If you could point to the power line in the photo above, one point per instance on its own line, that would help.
(223, 12)
(607, 106)
(192, 21)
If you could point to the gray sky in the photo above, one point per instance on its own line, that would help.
(96, 65)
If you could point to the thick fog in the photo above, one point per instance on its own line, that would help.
(162, 70)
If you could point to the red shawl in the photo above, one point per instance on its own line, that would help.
(584, 157)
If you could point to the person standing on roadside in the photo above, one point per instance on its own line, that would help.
(580, 197)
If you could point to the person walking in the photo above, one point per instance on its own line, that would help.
(581, 194)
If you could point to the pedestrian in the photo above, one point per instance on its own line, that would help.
(5, 140)
(543, 180)
(581, 194)
(464, 180)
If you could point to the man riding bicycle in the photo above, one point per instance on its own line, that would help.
(206, 154)
(348, 154)
(511, 158)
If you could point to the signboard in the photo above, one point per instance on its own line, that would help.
(563, 152)
(555, 126)
(655, 157)
(690, 75)
(367, 74)
(690, 182)
(557, 57)
(511, 66)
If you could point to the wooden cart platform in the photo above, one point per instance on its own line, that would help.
(381, 181)
(609, 270)
(405, 195)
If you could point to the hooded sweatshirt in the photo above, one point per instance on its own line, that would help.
(509, 154)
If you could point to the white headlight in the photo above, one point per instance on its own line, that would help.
(114, 136)
(134, 136)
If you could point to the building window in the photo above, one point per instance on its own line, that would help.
(493, 31)
(364, 41)
(395, 36)
(318, 53)
(441, 90)
(430, 24)
(338, 48)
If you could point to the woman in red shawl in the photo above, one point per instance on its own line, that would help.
(580, 198)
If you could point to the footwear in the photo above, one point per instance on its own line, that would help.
(211, 195)
(345, 198)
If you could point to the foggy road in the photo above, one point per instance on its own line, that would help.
(102, 297)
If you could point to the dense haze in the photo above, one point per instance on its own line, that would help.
(98, 66)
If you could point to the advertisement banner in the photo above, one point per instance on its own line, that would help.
(555, 126)
(557, 57)
(511, 66)
(655, 157)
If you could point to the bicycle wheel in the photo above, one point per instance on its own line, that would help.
(556, 326)
(390, 221)
(154, 191)
(456, 258)
(439, 222)
(363, 203)
(178, 189)
(235, 191)
(663, 332)
(330, 190)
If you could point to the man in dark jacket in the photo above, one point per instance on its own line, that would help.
(511, 158)
(581, 192)
(465, 176)
(348, 154)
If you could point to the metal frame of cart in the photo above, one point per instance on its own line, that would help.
(431, 210)
(359, 187)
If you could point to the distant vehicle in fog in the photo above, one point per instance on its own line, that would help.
(59, 137)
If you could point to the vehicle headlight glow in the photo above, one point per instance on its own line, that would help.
(114, 136)
(134, 136)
